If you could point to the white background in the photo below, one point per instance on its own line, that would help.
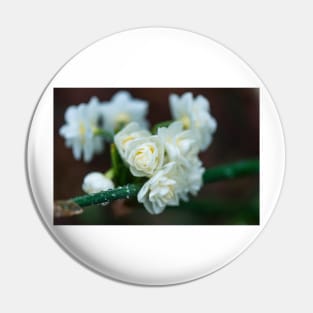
(275, 273)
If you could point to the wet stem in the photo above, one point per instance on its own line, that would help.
(211, 175)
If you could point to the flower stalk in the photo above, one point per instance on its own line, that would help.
(230, 171)
(126, 192)
(211, 175)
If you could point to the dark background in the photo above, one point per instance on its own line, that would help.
(237, 138)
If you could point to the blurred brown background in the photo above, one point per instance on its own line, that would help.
(237, 138)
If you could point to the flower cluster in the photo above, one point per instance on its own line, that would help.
(194, 114)
(169, 159)
(88, 125)
(165, 160)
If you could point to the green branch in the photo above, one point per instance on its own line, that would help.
(222, 172)
(230, 171)
(126, 192)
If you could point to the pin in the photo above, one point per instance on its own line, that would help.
(155, 156)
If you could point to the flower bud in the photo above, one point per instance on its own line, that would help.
(95, 182)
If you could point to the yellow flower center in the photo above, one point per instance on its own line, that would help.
(82, 129)
(122, 118)
(186, 121)
(82, 132)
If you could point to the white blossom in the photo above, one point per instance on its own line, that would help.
(123, 109)
(129, 133)
(81, 123)
(192, 171)
(95, 182)
(179, 143)
(145, 156)
(172, 183)
(194, 113)
(160, 190)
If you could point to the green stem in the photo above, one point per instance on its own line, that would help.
(129, 191)
(120, 171)
(115, 159)
(230, 171)
(109, 174)
(222, 172)
(103, 133)
(162, 124)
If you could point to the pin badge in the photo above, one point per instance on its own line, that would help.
(155, 156)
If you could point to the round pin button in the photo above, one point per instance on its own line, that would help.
(155, 156)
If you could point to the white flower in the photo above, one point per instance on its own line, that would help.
(170, 184)
(160, 190)
(95, 182)
(178, 143)
(145, 156)
(81, 122)
(194, 114)
(129, 133)
(192, 172)
(123, 109)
